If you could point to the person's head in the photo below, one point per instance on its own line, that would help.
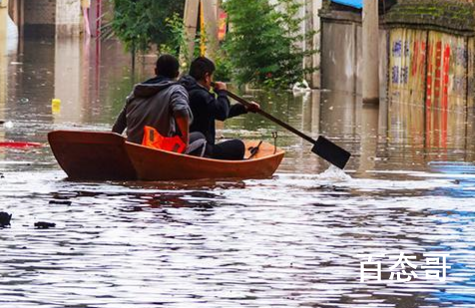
(202, 70)
(167, 66)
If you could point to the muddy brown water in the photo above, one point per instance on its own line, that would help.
(295, 240)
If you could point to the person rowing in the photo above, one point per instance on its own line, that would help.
(207, 107)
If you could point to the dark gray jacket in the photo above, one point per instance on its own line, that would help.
(155, 103)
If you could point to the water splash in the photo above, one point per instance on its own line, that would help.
(8, 124)
(334, 174)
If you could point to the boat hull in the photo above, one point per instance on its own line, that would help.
(108, 156)
(92, 155)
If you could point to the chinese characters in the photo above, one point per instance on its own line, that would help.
(404, 268)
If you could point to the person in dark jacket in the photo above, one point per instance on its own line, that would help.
(207, 107)
(162, 103)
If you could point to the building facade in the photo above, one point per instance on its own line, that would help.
(51, 18)
(427, 65)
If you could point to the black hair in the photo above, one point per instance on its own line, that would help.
(167, 66)
(200, 67)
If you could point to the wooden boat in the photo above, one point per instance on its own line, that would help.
(108, 156)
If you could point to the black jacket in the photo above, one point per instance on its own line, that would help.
(208, 107)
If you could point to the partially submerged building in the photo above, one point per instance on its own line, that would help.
(53, 18)
(427, 61)
(341, 44)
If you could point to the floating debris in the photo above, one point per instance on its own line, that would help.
(133, 209)
(301, 87)
(5, 219)
(44, 225)
(62, 202)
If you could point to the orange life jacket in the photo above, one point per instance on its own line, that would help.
(153, 139)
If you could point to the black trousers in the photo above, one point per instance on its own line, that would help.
(197, 145)
(227, 150)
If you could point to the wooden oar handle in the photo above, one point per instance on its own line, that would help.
(272, 118)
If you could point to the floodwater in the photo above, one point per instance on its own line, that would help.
(295, 240)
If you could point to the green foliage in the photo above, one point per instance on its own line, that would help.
(224, 66)
(140, 24)
(178, 39)
(178, 43)
(264, 42)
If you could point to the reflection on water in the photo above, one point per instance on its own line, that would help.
(289, 241)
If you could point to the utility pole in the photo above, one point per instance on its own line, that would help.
(370, 52)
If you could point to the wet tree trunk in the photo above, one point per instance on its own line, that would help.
(133, 54)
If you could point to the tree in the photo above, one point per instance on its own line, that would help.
(141, 24)
(264, 42)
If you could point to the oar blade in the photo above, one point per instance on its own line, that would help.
(331, 152)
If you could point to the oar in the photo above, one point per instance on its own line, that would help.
(322, 146)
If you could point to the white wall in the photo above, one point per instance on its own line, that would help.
(68, 17)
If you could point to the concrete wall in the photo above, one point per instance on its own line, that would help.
(3, 21)
(341, 57)
(8, 29)
(47, 18)
(429, 85)
(68, 18)
(39, 18)
(426, 81)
